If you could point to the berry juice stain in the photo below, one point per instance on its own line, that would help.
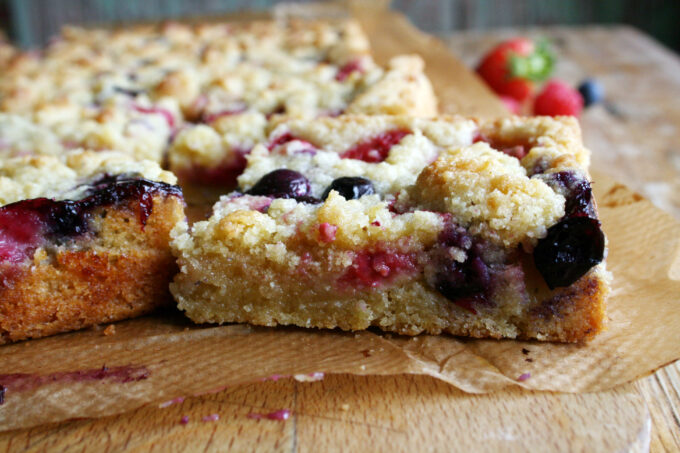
(21, 382)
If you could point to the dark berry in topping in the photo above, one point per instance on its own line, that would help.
(377, 148)
(25, 224)
(463, 280)
(577, 191)
(463, 283)
(350, 187)
(571, 248)
(592, 92)
(283, 183)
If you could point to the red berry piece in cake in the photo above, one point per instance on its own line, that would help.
(376, 148)
(373, 269)
(347, 69)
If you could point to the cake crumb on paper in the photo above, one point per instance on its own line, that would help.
(110, 330)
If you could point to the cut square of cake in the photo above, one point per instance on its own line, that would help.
(83, 241)
(482, 229)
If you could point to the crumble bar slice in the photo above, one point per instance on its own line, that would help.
(449, 225)
(84, 240)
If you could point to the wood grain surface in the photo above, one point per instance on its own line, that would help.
(411, 413)
(350, 413)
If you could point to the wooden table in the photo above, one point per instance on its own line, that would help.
(634, 137)
(415, 413)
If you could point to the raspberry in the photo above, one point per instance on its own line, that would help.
(511, 104)
(557, 98)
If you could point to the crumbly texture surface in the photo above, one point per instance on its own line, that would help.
(65, 176)
(316, 147)
(400, 89)
(113, 264)
(489, 192)
(137, 89)
(465, 202)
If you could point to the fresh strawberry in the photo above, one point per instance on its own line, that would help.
(558, 98)
(512, 67)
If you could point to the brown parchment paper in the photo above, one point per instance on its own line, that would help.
(177, 358)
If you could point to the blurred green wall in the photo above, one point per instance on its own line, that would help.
(31, 22)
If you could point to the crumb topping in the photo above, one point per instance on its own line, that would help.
(62, 177)
(488, 191)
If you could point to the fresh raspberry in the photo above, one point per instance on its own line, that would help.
(557, 98)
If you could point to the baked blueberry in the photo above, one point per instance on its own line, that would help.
(577, 192)
(350, 187)
(283, 183)
(571, 248)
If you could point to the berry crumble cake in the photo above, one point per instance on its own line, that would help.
(483, 229)
(137, 89)
(84, 239)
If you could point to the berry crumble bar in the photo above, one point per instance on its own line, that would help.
(483, 229)
(83, 241)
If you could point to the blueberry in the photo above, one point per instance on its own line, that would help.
(576, 190)
(570, 249)
(350, 187)
(592, 92)
(283, 183)
(457, 280)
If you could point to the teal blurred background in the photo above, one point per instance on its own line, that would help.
(30, 23)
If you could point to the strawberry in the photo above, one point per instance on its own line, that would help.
(558, 98)
(512, 67)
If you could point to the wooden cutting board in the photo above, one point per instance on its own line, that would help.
(394, 413)
(350, 413)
